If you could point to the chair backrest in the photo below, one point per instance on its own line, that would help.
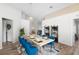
(51, 37)
(29, 49)
(23, 42)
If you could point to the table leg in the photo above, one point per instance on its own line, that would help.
(42, 50)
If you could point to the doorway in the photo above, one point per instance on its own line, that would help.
(7, 30)
(77, 29)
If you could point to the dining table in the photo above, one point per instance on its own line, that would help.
(38, 41)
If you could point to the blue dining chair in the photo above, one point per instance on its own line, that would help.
(52, 43)
(29, 49)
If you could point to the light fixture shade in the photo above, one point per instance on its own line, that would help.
(30, 18)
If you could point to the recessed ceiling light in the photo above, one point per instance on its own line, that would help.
(50, 6)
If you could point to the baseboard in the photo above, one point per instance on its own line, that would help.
(64, 44)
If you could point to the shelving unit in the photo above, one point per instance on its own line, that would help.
(47, 30)
(51, 30)
(54, 32)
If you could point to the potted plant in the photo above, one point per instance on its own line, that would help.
(22, 32)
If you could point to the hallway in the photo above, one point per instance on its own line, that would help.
(76, 48)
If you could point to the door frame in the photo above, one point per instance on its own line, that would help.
(3, 29)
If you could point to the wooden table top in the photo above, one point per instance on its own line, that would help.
(38, 40)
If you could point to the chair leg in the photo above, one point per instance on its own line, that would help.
(20, 50)
(51, 49)
(54, 49)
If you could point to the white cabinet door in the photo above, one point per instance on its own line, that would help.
(0, 34)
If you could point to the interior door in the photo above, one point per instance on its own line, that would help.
(7, 34)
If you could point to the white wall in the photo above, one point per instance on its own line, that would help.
(13, 14)
(66, 27)
(40, 10)
(3, 31)
(0, 34)
(26, 24)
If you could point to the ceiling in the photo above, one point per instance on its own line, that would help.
(38, 10)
